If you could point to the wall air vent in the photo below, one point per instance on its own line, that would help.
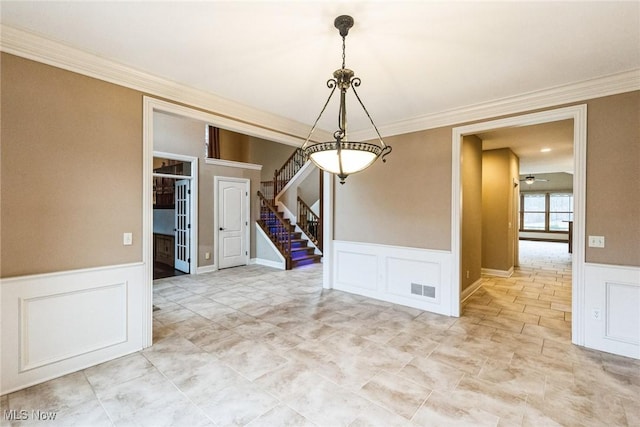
(424, 290)
(416, 289)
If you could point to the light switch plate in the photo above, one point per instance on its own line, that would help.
(127, 239)
(596, 241)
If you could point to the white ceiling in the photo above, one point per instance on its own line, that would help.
(415, 58)
(527, 143)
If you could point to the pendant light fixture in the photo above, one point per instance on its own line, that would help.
(343, 157)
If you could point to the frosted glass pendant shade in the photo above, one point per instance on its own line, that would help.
(343, 158)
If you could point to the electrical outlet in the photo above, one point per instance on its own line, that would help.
(207, 255)
(596, 241)
(127, 239)
(596, 314)
(467, 274)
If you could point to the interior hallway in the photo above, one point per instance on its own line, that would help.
(261, 347)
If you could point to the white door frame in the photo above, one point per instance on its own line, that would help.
(193, 203)
(247, 215)
(579, 115)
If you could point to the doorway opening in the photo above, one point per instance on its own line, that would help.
(571, 285)
(173, 223)
(516, 260)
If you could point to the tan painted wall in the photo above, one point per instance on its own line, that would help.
(60, 127)
(271, 155)
(370, 205)
(613, 179)
(471, 256)
(514, 209)
(234, 146)
(497, 211)
(405, 201)
(71, 170)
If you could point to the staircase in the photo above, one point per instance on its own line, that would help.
(292, 245)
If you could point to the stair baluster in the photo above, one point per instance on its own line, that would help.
(309, 223)
(291, 167)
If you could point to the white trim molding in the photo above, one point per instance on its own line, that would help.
(470, 290)
(266, 263)
(497, 273)
(613, 84)
(206, 269)
(233, 164)
(46, 329)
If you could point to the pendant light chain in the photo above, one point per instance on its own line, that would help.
(344, 56)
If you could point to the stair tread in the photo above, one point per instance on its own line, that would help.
(303, 249)
(310, 256)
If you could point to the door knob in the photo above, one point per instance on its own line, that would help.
(221, 229)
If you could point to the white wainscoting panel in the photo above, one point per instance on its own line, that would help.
(612, 304)
(623, 298)
(54, 324)
(356, 270)
(418, 278)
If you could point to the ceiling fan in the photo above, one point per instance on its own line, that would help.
(530, 179)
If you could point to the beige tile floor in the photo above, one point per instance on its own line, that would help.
(259, 347)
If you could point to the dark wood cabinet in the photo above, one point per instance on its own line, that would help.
(163, 193)
(164, 187)
(164, 249)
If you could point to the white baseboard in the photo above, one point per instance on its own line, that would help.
(267, 263)
(498, 273)
(470, 290)
(55, 324)
(206, 269)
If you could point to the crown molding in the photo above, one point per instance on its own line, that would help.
(31, 46)
(613, 84)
